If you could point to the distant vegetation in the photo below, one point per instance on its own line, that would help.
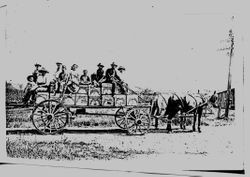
(14, 92)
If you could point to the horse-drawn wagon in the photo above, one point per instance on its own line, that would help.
(52, 111)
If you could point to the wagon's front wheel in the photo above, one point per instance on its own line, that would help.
(138, 121)
(49, 117)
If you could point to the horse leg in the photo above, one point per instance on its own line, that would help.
(169, 128)
(184, 122)
(199, 119)
(181, 122)
(156, 123)
(194, 121)
(154, 112)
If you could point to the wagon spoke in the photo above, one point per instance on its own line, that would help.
(122, 121)
(58, 110)
(137, 113)
(52, 110)
(40, 115)
(50, 107)
(41, 110)
(59, 114)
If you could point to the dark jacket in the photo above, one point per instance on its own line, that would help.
(99, 74)
(111, 75)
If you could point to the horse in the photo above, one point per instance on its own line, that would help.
(171, 104)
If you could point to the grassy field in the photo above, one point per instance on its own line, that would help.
(65, 149)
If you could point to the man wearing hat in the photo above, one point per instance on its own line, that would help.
(42, 80)
(112, 77)
(100, 73)
(121, 69)
(36, 72)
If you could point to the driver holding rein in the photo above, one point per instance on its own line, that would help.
(114, 79)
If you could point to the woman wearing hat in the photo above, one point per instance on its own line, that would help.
(73, 83)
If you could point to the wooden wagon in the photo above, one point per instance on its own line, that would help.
(52, 111)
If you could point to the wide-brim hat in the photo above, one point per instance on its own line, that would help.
(29, 76)
(74, 65)
(43, 70)
(100, 65)
(58, 63)
(121, 68)
(37, 64)
(113, 64)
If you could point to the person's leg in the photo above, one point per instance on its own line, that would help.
(122, 90)
(113, 88)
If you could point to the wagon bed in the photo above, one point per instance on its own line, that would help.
(52, 111)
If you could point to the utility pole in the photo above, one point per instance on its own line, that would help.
(231, 38)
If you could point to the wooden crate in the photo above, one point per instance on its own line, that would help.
(106, 88)
(120, 100)
(107, 100)
(94, 100)
(83, 89)
(132, 100)
(94, 91)
(69, 100)
(81, 100)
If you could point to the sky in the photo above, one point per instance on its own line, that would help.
(164, 45)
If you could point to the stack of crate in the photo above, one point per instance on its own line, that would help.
(94, 96)
(89, 95)
(81, 98)
(107, 98)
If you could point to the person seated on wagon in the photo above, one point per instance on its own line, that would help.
(114, 79)
(62, 78)
(84, 79)
(124, 85)
(30, 91)
(73, 80)
(36, 71)
(56, 76)
(100, 77)
(42, 80)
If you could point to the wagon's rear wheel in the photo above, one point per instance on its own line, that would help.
(120, 118)
(138, 121)
(49, 117)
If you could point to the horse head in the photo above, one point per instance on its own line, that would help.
(213, 100)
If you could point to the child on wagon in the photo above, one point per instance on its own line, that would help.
(30, 91)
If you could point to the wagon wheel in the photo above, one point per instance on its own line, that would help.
(138, 121)
(120, 119)
(49, 117)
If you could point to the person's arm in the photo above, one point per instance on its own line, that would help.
(81, 79)
(117, 77)
(26, 88)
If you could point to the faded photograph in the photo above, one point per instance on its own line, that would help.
(130, 83)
